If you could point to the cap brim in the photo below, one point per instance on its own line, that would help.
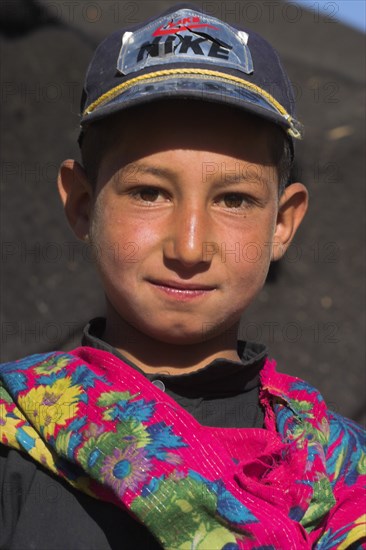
(190, 86)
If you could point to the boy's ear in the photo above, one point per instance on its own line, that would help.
(76, 194)
(292, 208)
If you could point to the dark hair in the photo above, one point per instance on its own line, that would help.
(284, 166)
(93, 144)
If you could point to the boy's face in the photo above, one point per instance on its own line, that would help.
(185, 219)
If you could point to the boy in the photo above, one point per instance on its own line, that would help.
(187, 142)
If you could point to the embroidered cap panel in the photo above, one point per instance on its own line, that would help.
(186, 36)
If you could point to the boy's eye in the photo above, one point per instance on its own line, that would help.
(147, 194)
(235, 200)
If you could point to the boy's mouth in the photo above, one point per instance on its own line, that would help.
(182, 289)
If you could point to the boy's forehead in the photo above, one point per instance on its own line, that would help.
(192, 126)
(187, 54)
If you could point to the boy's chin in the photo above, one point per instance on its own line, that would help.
(180, 339)
(187, 336)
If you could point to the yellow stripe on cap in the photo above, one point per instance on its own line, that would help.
(194, 74)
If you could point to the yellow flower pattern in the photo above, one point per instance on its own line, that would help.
(51, 406)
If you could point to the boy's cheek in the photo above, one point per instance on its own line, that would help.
(116, 255)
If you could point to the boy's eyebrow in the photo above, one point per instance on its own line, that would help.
(252, 176)
(232, 177)
(135, 168)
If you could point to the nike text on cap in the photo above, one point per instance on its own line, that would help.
(185, 53)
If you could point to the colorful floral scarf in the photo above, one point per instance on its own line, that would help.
(98, 423)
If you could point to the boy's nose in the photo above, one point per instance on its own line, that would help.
(188, 233)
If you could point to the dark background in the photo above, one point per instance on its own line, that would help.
(311, 312)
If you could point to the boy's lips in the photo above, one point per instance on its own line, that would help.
(182, 290)
(182, 285)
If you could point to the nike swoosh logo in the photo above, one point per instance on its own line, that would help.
(160, 31)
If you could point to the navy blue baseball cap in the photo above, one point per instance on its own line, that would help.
(186, 53)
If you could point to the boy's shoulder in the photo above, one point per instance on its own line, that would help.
(301, 400)
(300, 410)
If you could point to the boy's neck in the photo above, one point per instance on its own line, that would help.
(154, 356)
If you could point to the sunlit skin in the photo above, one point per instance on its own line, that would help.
(185, 219)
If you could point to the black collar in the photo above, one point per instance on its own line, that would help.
(221, 376)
